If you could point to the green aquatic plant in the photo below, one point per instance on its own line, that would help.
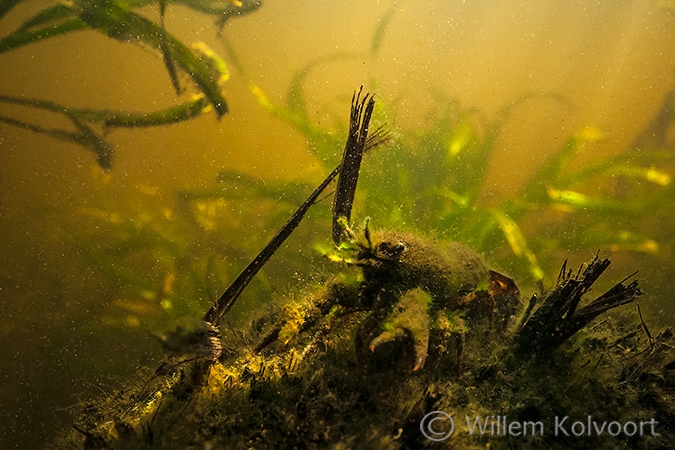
(299, 382)
(120, 20)
(168, 258)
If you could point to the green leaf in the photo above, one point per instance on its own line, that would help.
(550, 172)
(569, 200)
(48, 17)
(7, 5)
(173, 114)
(635, 165)
(518, 243)
(19, 39)
(112, 118)
(380, 29)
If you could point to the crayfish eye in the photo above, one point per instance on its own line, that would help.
(390, 250)
(399, 248)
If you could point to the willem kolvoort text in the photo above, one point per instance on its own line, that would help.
(561, 426)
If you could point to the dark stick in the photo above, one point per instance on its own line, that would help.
(226, 301)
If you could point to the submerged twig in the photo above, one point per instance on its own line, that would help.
(226, 301)
(558, 317)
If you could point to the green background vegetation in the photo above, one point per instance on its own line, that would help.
(94, 258)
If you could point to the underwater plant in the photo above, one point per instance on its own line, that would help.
(120, 20)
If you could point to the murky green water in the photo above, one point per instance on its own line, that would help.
(533, 131)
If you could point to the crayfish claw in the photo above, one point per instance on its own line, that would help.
(408, 320)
